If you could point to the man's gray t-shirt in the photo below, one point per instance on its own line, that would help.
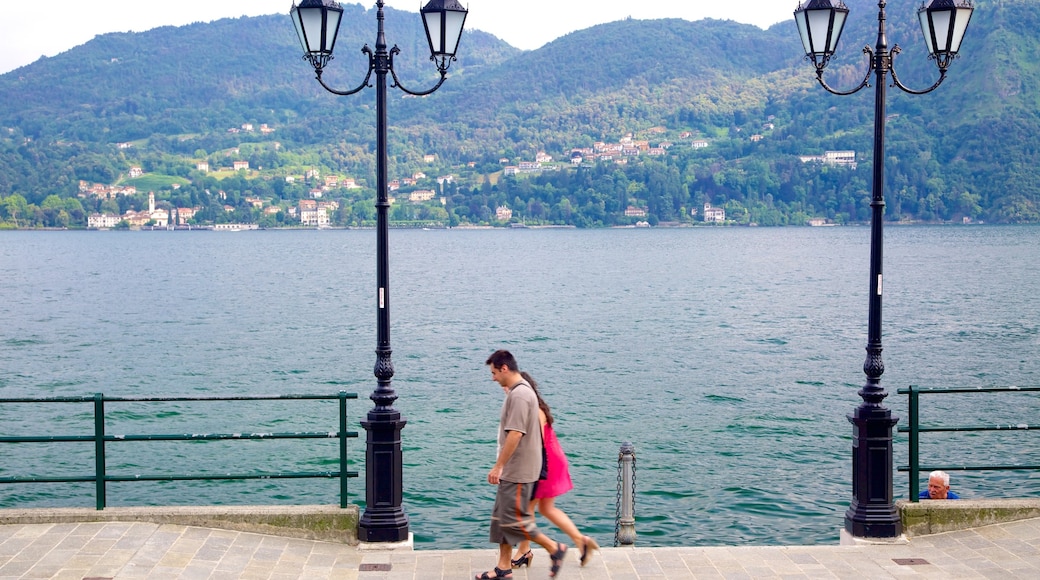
(520, 413)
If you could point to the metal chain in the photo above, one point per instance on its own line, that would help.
(634, 462)
(617, 515)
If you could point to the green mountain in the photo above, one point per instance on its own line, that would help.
(167, 99)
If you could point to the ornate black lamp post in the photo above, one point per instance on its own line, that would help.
(872, 513)
(317, 24)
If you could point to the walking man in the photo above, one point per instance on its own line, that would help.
(516, 470)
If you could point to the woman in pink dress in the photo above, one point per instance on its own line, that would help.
(556, 483)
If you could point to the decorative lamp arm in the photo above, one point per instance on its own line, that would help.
(364, 83)
(904, 88)
(866, 78)
(397, 82)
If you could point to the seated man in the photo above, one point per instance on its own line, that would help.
(938, 487)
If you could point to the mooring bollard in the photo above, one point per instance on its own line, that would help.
(625, 523)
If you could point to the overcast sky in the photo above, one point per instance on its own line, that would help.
(31, 29)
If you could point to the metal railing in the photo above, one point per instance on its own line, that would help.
(101, 440)
(915, 429)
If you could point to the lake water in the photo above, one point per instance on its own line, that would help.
(729, 357)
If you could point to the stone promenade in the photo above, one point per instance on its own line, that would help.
(123, 551)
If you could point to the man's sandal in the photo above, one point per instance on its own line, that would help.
(557, 559)
(499, 573)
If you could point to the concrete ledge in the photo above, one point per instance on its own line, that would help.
(318, 522)
(938, 516)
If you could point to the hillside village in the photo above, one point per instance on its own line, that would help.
(323, 192)
(318, 198)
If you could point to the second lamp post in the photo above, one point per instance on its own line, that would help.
(872, 513)
(317, 24)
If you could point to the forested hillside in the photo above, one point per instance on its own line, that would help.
(666, 115)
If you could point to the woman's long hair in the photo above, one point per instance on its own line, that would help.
(541, 402)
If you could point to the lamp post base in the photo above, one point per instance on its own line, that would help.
(405, 546)
(847, 539)
(872, 513)
(384, 519)
(864, 522)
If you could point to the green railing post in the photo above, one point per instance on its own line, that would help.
(99, 448)
(342, 449)
(915, 430)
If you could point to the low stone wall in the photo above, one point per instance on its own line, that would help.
(937, 516)
(325, 523)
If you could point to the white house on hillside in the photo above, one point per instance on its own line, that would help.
(714, 214)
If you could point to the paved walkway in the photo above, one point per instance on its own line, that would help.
(117, 551)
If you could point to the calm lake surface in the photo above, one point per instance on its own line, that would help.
(729, 357)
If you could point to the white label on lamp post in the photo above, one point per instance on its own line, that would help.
(879, 284)
(382, 298)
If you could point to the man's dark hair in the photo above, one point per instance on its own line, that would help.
(502, 358)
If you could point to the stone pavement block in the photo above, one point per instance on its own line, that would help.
(105, 530)
(130, 542)
(188, 547)
(993, 532)
(211, 553)
(107, 566)
(87, 528)
(799, 557)
(230, 567)
(16, 568)
(695, 559)
(759, 571)
(197, 533)
(1019, 548)
(285, 568)
(43, 544)
(670, 561)
(706, 572)
(300, 558)
(1027, 530)
(316, 560)
(165, 572)
(74, 541)
(175, 560)
(198, 571)
(96, 546)
(267, 554)
(131, 573)
(255, 572)
(42, 571)
(61, 556)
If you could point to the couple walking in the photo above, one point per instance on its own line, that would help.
(530, 471)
